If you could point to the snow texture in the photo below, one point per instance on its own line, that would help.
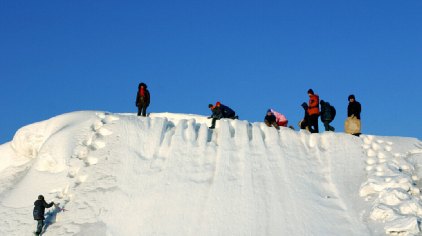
(168, 174)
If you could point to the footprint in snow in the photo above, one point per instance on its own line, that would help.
(97, 145)
(104, 132)
(110, 118)
(97, 125)
(91, 161)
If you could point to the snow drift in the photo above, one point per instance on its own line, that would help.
(168, 174)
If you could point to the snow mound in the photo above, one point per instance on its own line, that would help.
(168, 174)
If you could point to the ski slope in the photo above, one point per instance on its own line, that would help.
(168, 174)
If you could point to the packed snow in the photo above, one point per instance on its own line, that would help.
(168, 174)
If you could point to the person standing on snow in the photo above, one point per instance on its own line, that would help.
(39, 210)
(353, 123)
(271, 120)
(313, 111)
(354, 108)
(327, 115)
(142, 99)
(304, 123)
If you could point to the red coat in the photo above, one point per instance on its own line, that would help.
(313, 107)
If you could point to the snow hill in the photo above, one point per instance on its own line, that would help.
(168, 174)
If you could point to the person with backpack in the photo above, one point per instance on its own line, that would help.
(313, 111)
(304, 123)
(142, 99)
(328, 113)
(39, 209)
(270, 119)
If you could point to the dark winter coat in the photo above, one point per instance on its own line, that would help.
(142, 101)
(39, 209)
(270, 118)
(326, 111)
(354, 108)
(216, 113)
(227, 111)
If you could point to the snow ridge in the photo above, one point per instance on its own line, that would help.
(168, 174)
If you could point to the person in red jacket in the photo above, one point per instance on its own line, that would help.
(313, 111)
(142, 99)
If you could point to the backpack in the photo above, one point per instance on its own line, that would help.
(333, 112)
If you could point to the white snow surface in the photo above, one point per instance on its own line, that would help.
(168, 174)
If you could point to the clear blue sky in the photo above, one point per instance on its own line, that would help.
(63, 56)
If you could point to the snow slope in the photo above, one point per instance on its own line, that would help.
(168, 174)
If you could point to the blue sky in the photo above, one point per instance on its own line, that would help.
(64, 56)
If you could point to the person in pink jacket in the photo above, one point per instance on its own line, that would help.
(280, 118)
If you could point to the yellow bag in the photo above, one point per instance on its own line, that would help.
(352, 125)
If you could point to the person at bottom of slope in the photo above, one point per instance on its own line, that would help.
(220, 111)
(270, 119)
(142, 99)
(327, 115)
(39, 210)
(304, 123)
(313, 111)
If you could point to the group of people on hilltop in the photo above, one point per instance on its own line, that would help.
(328, 113)
(219, 111)
(314, 109)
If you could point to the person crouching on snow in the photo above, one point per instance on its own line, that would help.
(280, 118)
(39, 210)
(270, 119)
(216, 114)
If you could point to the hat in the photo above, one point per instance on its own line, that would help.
(142, 84)
(40, 197)
(351, 96)
(210, 105)
(311, 91)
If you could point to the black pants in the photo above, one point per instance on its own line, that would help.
(313, 123)
(40, 225)
(327, 125)
(213, 122)
(142, 109)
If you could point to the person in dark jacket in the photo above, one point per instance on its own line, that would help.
(39, 210)
(220, 111)
(304, 123)
(142, 99)
(271, 120)
(226, 111)
(313, 111)
(327, 115)
(216, 114)
(354, 107)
